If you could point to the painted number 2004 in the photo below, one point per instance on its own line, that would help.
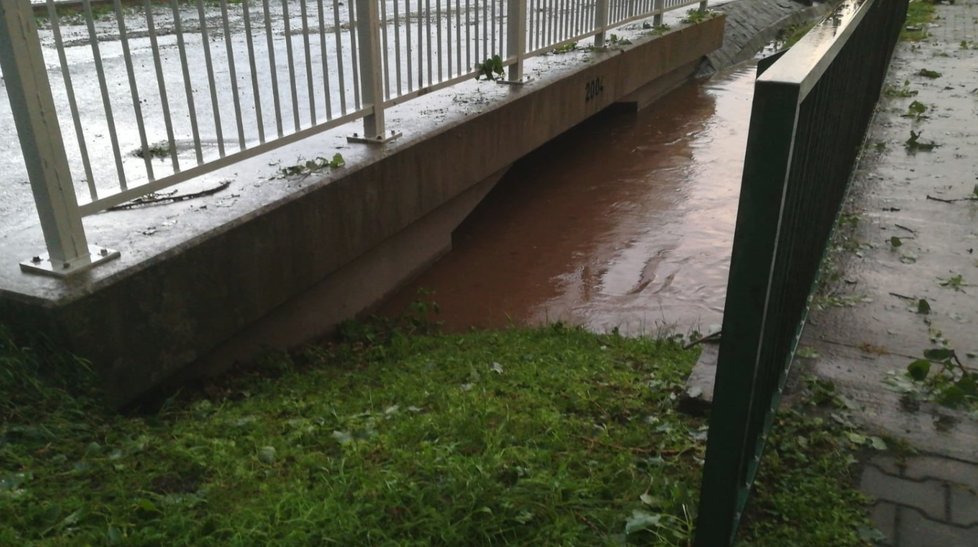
(592, 89)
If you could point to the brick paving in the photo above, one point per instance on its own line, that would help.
(923, 500)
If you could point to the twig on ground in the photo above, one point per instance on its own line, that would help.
(942, 200)
(157, 199)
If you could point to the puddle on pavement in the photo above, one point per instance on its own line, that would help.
(626, 221)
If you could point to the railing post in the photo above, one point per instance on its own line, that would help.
(29, 92)
(516, 38)
(703, 5)
(371, 73)
(600, 21)
(658, 7)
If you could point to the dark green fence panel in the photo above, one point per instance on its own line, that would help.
(810, 112)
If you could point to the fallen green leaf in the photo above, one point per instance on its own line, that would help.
(919, 369)
(856, 438)
(938, 354)
(642, 520)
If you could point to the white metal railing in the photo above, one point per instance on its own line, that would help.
(202, 84)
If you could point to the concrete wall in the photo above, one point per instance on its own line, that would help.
(332, 248)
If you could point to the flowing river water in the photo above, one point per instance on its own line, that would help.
(625, 222)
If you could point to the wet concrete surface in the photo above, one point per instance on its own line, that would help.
(322, 88)
(624, 222)
(869, 328)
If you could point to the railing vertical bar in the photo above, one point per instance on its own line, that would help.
(582, 18)
(354, 57)
(253, 67)
(161, 83)
(486, 53)
(458, 36)
(427, 17)
(555, 21)
(583, 22)
(339, 56)
(516, 37)
(533, 30)
(307, 50)
(438, 41)
(368, 35)
(578, 11)
(187, 85)
(448, 35)
(503, 22)
(565, 18)
(397, 47)
(72, 103)
(492, 26)
(468, 34)
(384, 46)
(547, 18)
(104, 89)
(588, 17)
(540, 27)
(601, 8)
(291, 58)
(272, 67)
(42, 143)
(480, 53)
(322, 52)
(209, 63)
(556, 6)
(133, 88)
(420, 47)
(569, 17)
(232, 74)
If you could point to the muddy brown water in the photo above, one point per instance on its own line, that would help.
(625, 222)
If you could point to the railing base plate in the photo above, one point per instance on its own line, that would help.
(42, 264)
(379, 139)
(519, 82)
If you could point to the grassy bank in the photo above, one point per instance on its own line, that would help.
(548, 436)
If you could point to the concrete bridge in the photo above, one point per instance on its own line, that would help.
(204, 283)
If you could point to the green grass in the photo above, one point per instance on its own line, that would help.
(919, 13)
(550, 436)
(793, 34)
(804, 493)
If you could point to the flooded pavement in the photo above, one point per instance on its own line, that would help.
(624, 222)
